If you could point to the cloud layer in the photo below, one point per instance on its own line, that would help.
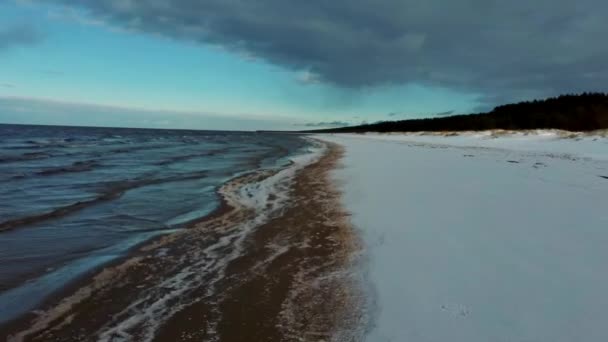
(502, 50)
(18, 36)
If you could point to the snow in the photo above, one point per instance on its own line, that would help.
(472, 238)
(587, 145)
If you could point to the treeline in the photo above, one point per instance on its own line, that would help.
(584, 112)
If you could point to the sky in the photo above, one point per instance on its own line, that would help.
(277, 64)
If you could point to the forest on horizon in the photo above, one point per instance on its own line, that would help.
(573, 112)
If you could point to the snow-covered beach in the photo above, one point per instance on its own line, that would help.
(478, 237)
(422, 237)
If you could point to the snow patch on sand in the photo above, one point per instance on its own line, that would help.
(273, 192)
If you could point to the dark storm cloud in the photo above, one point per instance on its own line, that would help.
(18, 36)
(502, 50)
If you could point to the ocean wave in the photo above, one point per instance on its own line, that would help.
(186, 157)
(107, 192)
(24, 157)
(78, 166)
(136, 148)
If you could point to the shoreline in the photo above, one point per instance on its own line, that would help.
(83, 279)
(76, 271)
(178, 262)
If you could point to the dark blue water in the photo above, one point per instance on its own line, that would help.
(73, 198)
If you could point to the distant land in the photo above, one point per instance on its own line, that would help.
(583, 112)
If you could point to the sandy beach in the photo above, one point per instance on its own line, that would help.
(275, 267)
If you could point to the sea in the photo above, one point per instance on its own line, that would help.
(73, 199)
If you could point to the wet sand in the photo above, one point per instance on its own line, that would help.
(284, 275)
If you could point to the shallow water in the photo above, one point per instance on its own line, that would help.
(73, 198)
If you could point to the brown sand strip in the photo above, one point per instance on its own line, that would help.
(288, 279)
